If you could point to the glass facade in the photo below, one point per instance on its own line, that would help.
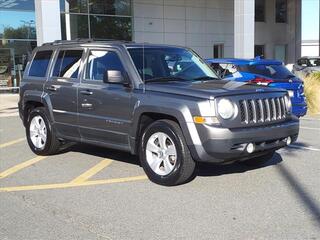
(18, 38)
(98, 19)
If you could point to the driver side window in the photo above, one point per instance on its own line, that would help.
(100, 62)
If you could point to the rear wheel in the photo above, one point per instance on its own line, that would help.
(40, 135)
(258, 161)
(164, 154)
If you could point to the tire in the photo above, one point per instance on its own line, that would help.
(258, 161)
(41, 145)
(169, 167)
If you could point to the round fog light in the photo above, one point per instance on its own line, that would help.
(250, 148)
(288, 141)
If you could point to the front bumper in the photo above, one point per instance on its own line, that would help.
(299, 109)
(221, 145)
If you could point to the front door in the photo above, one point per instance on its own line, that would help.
(104, 108)
(62, 89)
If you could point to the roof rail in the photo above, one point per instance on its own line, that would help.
(83, 40)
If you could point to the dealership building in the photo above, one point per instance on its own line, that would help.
(213, 28)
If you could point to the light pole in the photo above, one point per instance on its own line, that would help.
(28, 24)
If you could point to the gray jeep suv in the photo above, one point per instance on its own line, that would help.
(158, 101)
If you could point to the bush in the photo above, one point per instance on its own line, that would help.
(312, 92)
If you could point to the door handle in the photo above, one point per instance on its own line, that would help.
(86, 105)
(86, 92)
(52, 88)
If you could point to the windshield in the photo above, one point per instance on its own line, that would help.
(271, 71)
(165, 63)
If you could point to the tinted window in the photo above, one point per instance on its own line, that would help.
(67, 64)
(99, 62)
(281, 11)
(169, 62)
(40, 64)
(271, 71)
(259, 50)
(259, 10)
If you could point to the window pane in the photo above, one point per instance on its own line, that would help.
(17, 5)
(100, 62)
(40, 64)
(67, 64)
(281, 11)
(110, 7)
(259, 10)
(17, 25)
(74, 6)
(110, 28)
(74, 26)
(259, 51)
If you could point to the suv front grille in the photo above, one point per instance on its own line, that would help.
(262, 110)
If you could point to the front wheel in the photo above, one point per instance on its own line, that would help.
(164, 154)
(258, 161)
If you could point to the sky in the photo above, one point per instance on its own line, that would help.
(310, 19)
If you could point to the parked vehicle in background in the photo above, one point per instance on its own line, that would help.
(271, 73)
(306, 65)
(163, 103)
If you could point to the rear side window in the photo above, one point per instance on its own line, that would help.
(67, 64)
(40, 64)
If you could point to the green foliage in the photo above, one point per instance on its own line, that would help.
(23, 32)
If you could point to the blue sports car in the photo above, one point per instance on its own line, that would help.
(270, 73)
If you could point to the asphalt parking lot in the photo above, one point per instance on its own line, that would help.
(87, 192)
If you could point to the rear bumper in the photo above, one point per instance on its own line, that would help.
(220, 145)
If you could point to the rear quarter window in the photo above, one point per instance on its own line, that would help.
(40, 64)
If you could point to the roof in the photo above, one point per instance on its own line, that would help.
(239, 61)
(89, 41)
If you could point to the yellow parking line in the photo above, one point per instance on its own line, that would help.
(7, 144)
(92, 171)
(20, 166)
(70, 184)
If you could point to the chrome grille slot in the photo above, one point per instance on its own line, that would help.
(253, 111)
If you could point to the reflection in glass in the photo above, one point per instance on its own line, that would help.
(17, 25)
(14, 56)
(74, 6)
(25, 5)
(110, 7)
(110, 27)
(74, 26)
(67, 64)
(99, 62)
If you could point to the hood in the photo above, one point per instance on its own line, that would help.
(208, 89)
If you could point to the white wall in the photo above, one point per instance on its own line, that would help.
(270, 33)
(198, 24)
(47, 21)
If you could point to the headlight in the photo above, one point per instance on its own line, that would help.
(288, 103)
(226, 109)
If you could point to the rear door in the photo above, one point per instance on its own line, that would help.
(104, 108)
(62, 89)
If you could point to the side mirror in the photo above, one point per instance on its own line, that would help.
(113, 76)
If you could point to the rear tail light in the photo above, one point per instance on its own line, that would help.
(261, 81)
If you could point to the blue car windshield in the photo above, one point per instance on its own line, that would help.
(170, 63)
(271, 71)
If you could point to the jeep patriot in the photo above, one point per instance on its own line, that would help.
(161, 102)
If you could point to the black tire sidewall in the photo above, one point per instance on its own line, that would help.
(171, 178)
(39, 112)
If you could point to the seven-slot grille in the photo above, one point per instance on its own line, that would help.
(262, 110)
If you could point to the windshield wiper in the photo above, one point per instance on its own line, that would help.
(203, 78)
(165, 79)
